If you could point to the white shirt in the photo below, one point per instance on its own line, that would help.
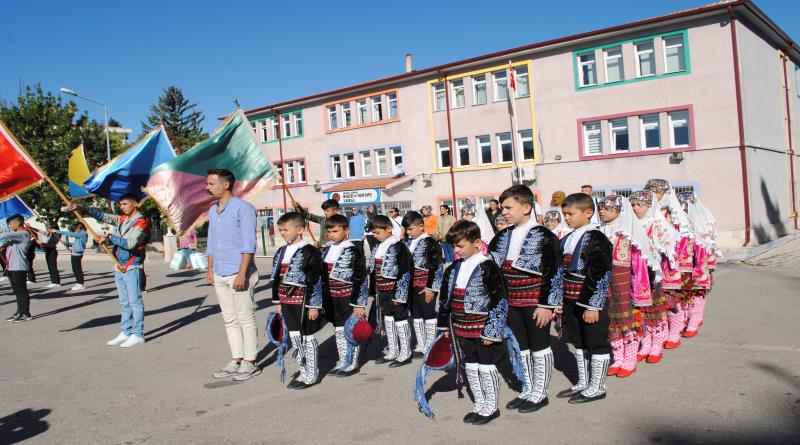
(466, 269)
(518, 234)
(575, 237)
(335, 251)
(291, 249)
(397, 226)
(415, 241)
(384, 246)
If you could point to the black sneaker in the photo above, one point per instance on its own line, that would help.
(22, 319)
(14, 317)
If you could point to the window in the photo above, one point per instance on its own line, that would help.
(392, 97)
(287, 125)
(645, 59)
(350, 165)
(361, 104)
(377, 108)
(526, 142)
(504, 147)
(275, 128)
(295, 171)
(366, 163)
(443, 151)
(336, 167)
(683, 188)
(462, 151)
(380, 158)
(457, 93)
(679, 128)
(479, 90)
(588, 69)
(614, 67)
(484, 149)
(438, 96)
(523, 88)
(262, 127)
(674, 55)
(397, 158)
(622, 192)
(500, 79)
(332, 123)
(346, 118)
(592, 138)
(619, 134)
(651, 132)
(298, 123)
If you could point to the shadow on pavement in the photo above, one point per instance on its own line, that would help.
(74, 306)
(199, 313)
(114, 319)
(23, 425)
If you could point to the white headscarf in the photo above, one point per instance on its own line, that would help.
(677, 215)
(629, 227)
(705, 225)
(664, 235)
(487, 233)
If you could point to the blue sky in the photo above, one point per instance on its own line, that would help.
(263, 52)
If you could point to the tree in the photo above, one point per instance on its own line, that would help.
(50, 129)
(180, 117)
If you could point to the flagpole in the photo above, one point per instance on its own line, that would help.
(283, 164)
(450, 144)
(62, 196)
(310, 232)
(512, 93)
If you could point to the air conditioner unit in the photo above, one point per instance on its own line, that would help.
(523, 173)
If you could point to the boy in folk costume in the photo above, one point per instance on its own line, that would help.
(427, 277)
(664, 237)
(473, 307)
(705, 254)
(556, 224)
(529, 258)
(390, 269)
(345, 287)
(296, 285)
(633, 260)
(584, 280)
(684, 251)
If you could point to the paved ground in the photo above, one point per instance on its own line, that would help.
(737, 382)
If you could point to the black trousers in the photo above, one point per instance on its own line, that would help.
(371, 241)
(18, 284)
(292, 313)
(528, 335)
(31, 274)
(51, 257)
(476, 352)
(419, 308)
(592, 337)
(390, 309)
(358, 244)
(77, 267)
(142, 279)
(342, 310)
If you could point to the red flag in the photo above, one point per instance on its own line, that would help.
(17, 171)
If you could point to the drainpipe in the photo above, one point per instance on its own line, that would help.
(450, 143)
(283, 164)
(789, 132)
(739, 113)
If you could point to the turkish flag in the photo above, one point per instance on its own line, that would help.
(17, 171)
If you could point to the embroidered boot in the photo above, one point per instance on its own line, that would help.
(617, 351)
(583, 381)
(419, 333)
(474, 380)
(490, 383)
(391, 338)
(696, 312)
(645, 345)
(527, 368)
(404, 339)
(597, 383)
(430, 333)
(310, 364)
(659, 337)
(675, 321)
(341, 349)
(631, 346)
(542, 374)
(297, 344)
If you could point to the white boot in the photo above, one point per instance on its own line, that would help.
(404, 340)
(419, 333)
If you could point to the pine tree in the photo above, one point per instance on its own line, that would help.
(179, 115)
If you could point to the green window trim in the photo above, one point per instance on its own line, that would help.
(576, 66)
(253, 122)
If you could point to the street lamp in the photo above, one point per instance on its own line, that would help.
(105, 114)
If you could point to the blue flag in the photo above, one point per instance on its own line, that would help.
(129, 172)
(14, 205)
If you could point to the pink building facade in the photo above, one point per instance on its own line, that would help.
(611, 108)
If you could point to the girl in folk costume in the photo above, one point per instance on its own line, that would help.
(705, 254)
(684, 251)
(664, 237)
(469, 213)
(554, 221)
(633, 260)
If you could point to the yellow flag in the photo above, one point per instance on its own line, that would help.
(78, 173)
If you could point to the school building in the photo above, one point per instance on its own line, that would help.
(706, 97)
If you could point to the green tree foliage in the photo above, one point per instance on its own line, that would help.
(180, 116)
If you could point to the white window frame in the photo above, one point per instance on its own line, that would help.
(263, 130)
(279, 168)
(476, 82)
(519, 76)
(437, 93)
(298, 169)
(275, 128)
(641, 52)
(377, 108)
(286, 121)
(462, 144)
(298, 123)
(392, 101)
(442, 148)
(500, 143)
(380, 156)
(336, 160)
(643, 127)
(581, 64)
(672, 128)
(522, 139)
(587, 133)
(499, 77)
(456, 87)
(395, 152)
(333, 121)
(612, 131)
(362, 115)
(481, 145)
(681, 52)
(349, 162)
(347, 117)
(366, 163)
(607, 58)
